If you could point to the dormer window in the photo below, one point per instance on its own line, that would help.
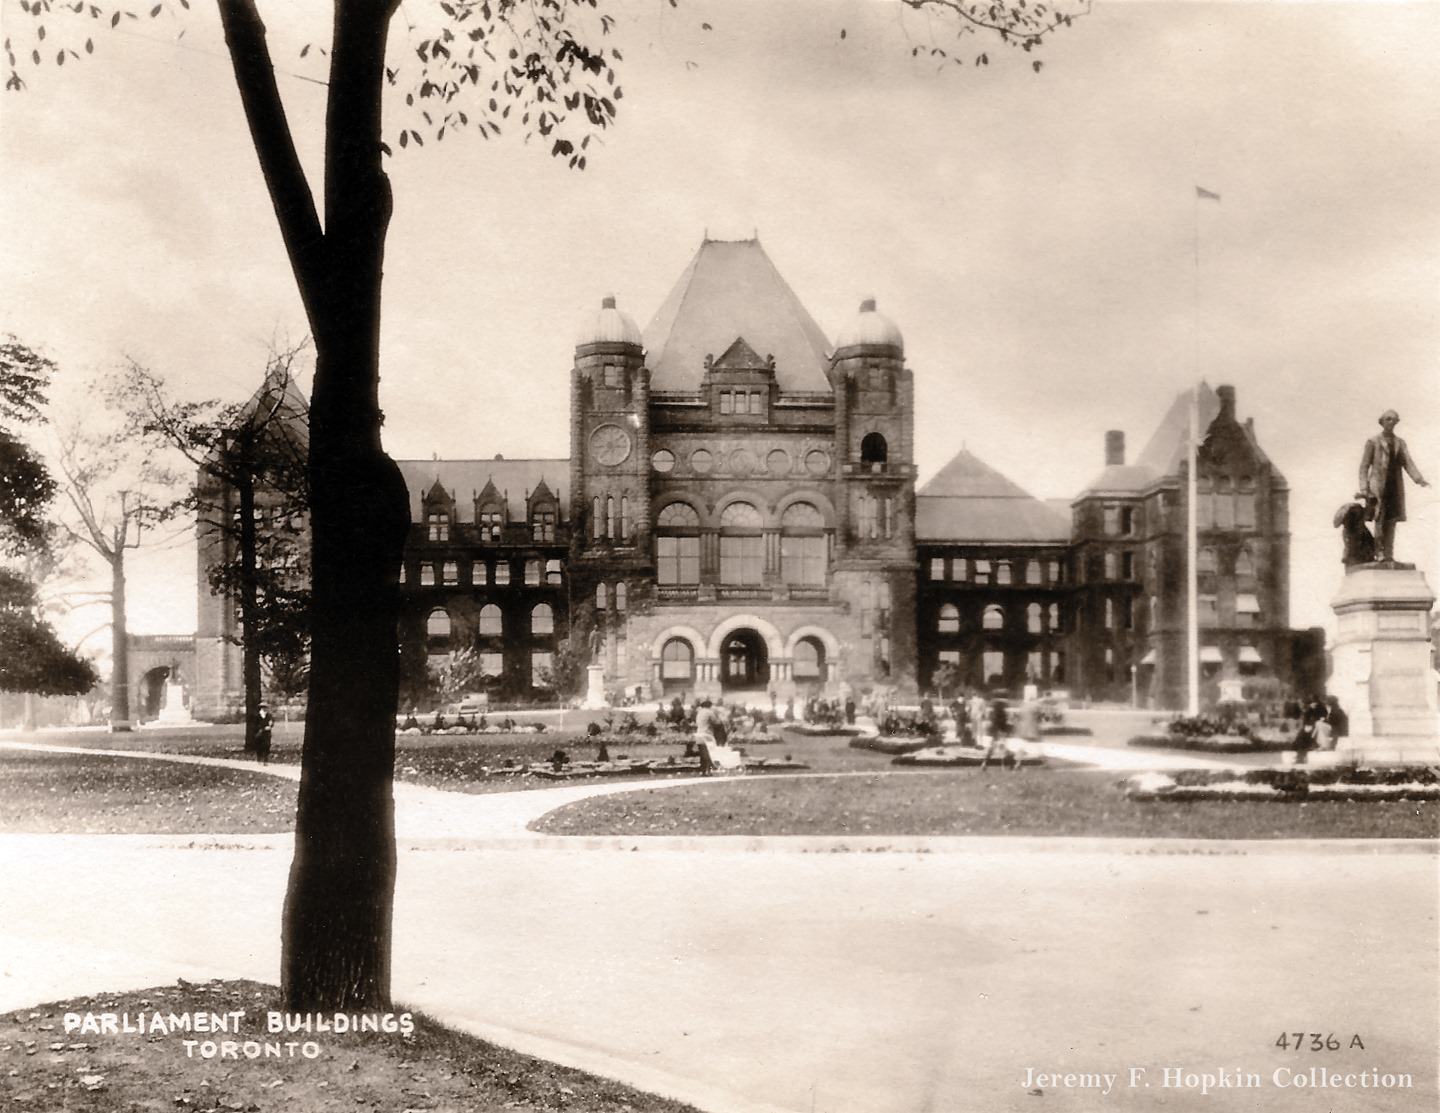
(491, 521)
(542, 523)
(437, 526)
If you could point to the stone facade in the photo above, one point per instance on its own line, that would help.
(738, 514)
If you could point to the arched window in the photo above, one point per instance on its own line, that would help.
(676, 660)
(949, 619)
(742, 548)
(542, 619)
(427, 574)
(1206, 561)
(611, 525)
(491, 521)
(437, 625)
(402, 573)
(597, 519)
(1034, 618)
(677, 545)
(808, 660)
(620, 596)
(802, 545)
(874, 450)
(1054, 617)
(1244, 563)
(994, 618)
(490, 621)
(601, 597)
(624, 518)
(1032, 571)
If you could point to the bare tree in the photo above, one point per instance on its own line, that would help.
(111, 493)
(250, 498)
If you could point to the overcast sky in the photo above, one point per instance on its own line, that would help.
(1033, 235)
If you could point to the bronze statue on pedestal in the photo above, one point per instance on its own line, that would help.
(1382, 484)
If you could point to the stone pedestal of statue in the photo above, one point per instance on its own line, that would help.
(594, 688)
(173, 712)
(1381, 670)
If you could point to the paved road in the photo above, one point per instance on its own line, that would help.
(830, 982)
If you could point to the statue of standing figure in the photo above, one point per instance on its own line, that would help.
(1382, 486)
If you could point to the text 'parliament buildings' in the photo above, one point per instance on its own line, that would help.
(739, 514)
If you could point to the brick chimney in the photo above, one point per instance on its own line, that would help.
(1114, 447)
(1226, 394)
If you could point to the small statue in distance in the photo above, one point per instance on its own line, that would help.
(1382, 483)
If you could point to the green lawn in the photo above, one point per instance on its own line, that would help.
(435, 1068)
(51, 793)
(968, 802)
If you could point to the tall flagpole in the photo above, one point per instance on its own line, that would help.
(1192, 578)
(1192, 521)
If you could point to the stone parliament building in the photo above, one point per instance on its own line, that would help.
(739, 514)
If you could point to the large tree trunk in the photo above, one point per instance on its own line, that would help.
(119, 645)
(249, 654)
(339, 904)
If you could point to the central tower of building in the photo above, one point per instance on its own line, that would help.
(744, 491)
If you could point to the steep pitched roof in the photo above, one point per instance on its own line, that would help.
(465, 478)
(1119, 479)
(969, 501)
(1165, 450)
(732, 289)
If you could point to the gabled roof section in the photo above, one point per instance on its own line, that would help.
(968, 501)
(507, 480)
(1165, 450)
(732, 289)
(436, 493)
(968, 476)
(739, 356)
(542, 492)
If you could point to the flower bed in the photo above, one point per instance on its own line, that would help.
(949, 757)
(1420, 782)
(890, 744)
(1214, 743)
(821, 730)
(464, 726)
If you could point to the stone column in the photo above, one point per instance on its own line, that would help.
(1381, 670)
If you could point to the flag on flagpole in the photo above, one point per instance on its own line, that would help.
(1204, 194)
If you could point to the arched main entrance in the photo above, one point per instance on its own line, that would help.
(152, 692)
(744, 661)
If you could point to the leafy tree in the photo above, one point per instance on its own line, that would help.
(32, 658)
(26, 485)
(481, 64)
(249, 498)
(457, 673)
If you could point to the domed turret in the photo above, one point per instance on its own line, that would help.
(869, 329)
(609, 326)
